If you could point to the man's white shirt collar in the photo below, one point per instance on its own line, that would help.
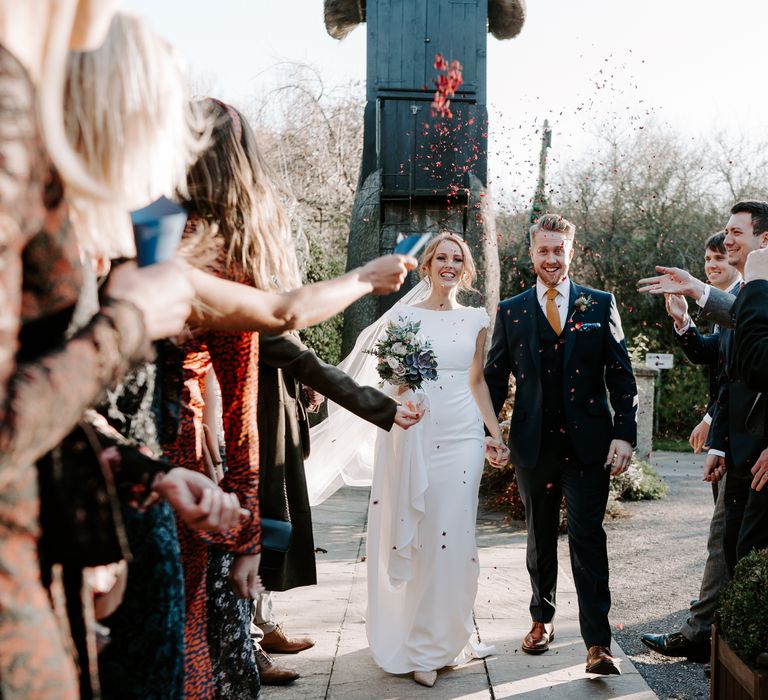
(564, 288)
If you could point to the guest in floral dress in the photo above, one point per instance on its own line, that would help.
(46, 386)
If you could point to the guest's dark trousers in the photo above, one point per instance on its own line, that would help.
(746, 517)
(585, 488)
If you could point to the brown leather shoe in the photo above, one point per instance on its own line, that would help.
(277, 643)
(269, 672)
(538, 639)
(599, 660)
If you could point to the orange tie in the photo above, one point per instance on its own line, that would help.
(553, 313)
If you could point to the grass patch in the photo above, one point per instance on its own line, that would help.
(670, 444)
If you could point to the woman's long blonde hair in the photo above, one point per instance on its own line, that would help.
(129, 118)
(231, 190)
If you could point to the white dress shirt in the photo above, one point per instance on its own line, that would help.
(561, 300)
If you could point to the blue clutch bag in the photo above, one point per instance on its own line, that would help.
(275, 534)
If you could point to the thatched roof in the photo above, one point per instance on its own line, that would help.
(342, 16)
(505, 17)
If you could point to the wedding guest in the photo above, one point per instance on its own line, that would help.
(47, 381)
(293, 381)
(735, 443)
(565, 346)
(693, 639)
(723, 276)
(236, 216)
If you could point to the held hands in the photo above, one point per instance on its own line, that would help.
(672, 280)
(387, 273)
(162, 292)
(198, 501)
(714, 468)
(698, 437)
(244, 576)
(619, 457)
(405, 417)
(756, 267)
(496, 452)
(760, 470)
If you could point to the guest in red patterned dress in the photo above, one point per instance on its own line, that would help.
(47, 381)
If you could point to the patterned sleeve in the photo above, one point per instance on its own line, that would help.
(40, 401)
(235, 359)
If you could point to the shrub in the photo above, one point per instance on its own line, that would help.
(325, 338)
(639, 483)
(743, 610)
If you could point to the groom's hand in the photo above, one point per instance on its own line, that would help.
(619, 456)
(496, 452)
(405, 418)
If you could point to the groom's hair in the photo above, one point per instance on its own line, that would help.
(757, 210)
(555, 223)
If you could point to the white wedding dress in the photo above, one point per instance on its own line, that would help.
(422, 556)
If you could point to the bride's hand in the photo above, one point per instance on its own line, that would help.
(496, 452)
(405, 418)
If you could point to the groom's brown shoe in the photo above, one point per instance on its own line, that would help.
(538, 639)
(599, 660)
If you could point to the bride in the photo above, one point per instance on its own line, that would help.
(422, 557)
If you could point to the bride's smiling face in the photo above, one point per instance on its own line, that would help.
(447, 266)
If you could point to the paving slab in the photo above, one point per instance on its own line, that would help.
(340, 667)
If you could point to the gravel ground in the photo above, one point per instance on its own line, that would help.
(657, 558)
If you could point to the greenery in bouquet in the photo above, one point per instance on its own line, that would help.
(742, 614)
(405, 358)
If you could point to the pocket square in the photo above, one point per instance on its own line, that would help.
(586, 327)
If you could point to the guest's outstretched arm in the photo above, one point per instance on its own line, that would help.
(229, 306)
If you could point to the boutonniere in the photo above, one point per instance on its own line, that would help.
(581, 304)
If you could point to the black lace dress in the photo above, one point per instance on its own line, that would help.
(145, 656)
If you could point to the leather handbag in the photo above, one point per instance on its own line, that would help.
(80, 515)
(275, 535)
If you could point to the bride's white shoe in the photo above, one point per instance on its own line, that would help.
(426, 678)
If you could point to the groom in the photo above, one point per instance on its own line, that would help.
(565, 347)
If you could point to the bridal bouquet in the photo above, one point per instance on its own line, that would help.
(405, 358)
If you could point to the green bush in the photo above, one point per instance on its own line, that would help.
(639, 483)
(324, 262)
(743, 610)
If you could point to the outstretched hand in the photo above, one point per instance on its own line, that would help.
(757, 265)
(672, 280)
(619, 457)
(387, 273)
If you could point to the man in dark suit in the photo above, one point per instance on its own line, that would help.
(692, 640)
(736, 444)
(565, 347)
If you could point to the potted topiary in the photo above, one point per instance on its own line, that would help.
(740, 637)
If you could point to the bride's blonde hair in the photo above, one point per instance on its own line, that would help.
(468, 271)
(128, 116)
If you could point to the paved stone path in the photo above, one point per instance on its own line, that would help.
(340, 667)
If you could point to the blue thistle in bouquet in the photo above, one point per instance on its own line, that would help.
(405, 358)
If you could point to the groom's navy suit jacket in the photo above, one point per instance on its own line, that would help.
(596, 366)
